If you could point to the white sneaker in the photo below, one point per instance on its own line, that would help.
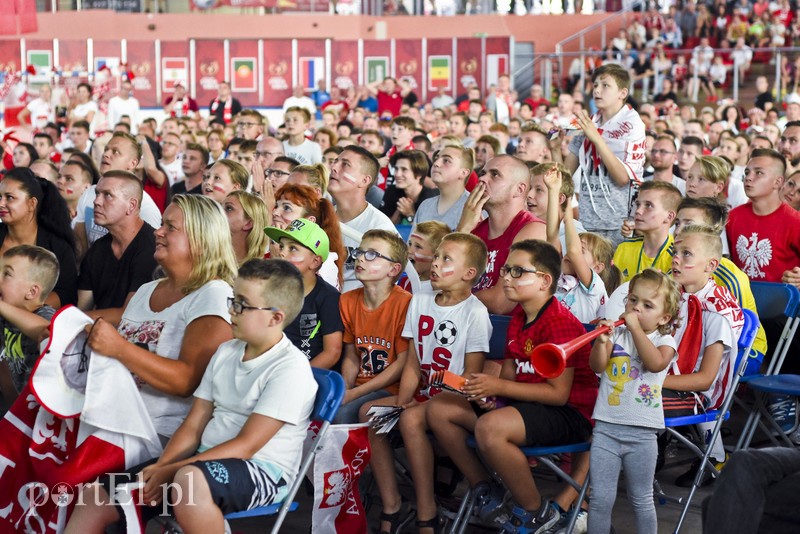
(581, 524)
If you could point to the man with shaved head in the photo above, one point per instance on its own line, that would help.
(501, 192)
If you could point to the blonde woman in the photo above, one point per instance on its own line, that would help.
(247, 217)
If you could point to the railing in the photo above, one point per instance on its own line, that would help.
(546, 64)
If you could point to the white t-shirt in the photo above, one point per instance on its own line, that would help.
(85, 212)
(330, 271)
(81, 111)
(174, 170)
(371, 218)
(629, 394)
(585, 303)
(41, 113)
(442, 335)
(615, 304)
(277, 384)
(736, 194)
(162, 333)
(307, 153)
(117, 107)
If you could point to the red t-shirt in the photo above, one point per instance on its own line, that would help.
(158, 194)
(554, 324)
(764, 246)
(390, 102)
(498, 247)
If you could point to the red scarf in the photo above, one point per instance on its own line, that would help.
(226, 112)
(184, 104)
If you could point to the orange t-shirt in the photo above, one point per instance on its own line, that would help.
(375, 333)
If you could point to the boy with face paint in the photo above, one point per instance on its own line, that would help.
(317, 329)
(423, 241)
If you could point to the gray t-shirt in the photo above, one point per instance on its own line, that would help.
(429, 211)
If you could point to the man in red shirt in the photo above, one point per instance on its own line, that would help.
(179, 104)
(501, 191)
(764, 234)
(389, 95)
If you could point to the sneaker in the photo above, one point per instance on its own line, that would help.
(536, 522)
(687, 479)
(489, 502)
(581, 524)
(783, 410)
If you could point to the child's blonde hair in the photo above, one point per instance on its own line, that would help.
(709, 237)
(434, 231)
(667, 288)
(567, 184)
(317, 175)
(475, 248)
(43, 269)
(714, 169)
(602, 250)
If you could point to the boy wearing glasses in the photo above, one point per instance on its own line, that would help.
(521, 407)
(240, 445)
(374, 316)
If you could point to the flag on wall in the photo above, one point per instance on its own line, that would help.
(439, 72)
(496, 66)
(310, 70)
(174, 70)
(244, 74)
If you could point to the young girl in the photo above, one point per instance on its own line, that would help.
(423, 241)
(633, 361)
(588, 275)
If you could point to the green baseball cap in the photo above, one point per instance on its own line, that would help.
(305, 232)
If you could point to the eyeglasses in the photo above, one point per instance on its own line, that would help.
(236, 307)
(516, 271)
(370, 255)
(169, 143)
(662, 152)
(246, 124)
(276, 173)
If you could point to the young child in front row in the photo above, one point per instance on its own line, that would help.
(29, 274)
(447, 330)
(711, 322)
(423, 241)
(633, 361)
(317, 329)
(588, 274)
(540, 412)
(239, 447)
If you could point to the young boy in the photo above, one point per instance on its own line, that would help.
(317, 329)
(403, 130)
(540, 196)
(423, 241)
(656, 206)
(373, 317)
(239, 447)
(446, 330)
(540, 412)
(449, 172)
(296, 146)
(29, 274)
(708, 334)
(610, 153)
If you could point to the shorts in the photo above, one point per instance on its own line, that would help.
(348, 413)
(236, 485)
(547, 426)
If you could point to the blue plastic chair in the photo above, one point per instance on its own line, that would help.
(745, 344)
(404, 230)
(772, 301)
(497, 343)
(330, 393)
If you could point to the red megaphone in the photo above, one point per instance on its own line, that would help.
(550, 360)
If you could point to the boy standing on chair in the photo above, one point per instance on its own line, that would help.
(539, 411)
(239, 447)
(711, 322)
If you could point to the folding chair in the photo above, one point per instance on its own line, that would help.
(772, 301)
(718, 416)
(545, 455)
(330, 393)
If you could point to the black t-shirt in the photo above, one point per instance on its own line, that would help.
(180, 188)
(110, 279)
(318, 317)
(66, 286)
(763, 98)
(393, 194)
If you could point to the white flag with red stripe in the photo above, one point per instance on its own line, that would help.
(338, 466)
